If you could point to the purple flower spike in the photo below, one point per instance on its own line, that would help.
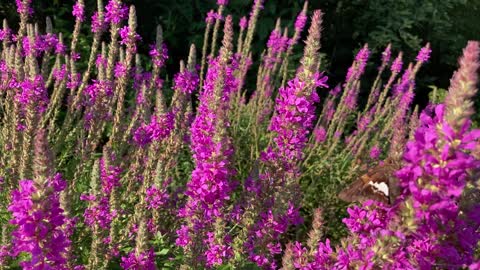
(243, 23)
(300, 22)
(39, 224)
(397, 64)
(159, 56)
(98, 24)
(116, 12)
(78, 11)
(375, 152)
(186, 81)
(424, 53)
(23, 7)
(142, 261)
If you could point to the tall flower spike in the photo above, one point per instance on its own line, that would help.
(312, 45)
(128, 33)
(115, 12)
(43, 158)
(387, 53)
(424, 53)
(38, 218)
(300, 23)
(210, 185)
(37, 215)
(227, 42)
(459, 104)
(79, 10)
(216, 28)
(98, 19)
(275, 189)
(397, 64)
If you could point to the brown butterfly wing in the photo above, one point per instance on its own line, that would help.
(353, 193)
(363, 189)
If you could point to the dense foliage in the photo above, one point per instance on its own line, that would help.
(238, 160)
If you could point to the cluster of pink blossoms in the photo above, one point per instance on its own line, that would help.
(39, 222)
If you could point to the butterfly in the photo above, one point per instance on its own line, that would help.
(378, 183)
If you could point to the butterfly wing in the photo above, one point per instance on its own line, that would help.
(353, 193)
(377, 184)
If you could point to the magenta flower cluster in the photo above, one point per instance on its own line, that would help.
(412, 232)
(210, 186)
(295, 113)
(157, 196)
(39, 222)
(212, 172)
(159, 56)
(98, 23)
(115, 12)
(129, 38)
(294, 118)
(243, 22)
(356, 70)
(134, 261)
(32, 93)
(277, 44)
(79, 11)
(186, 81)
(158, 129)
(424, 54)
(23, 7)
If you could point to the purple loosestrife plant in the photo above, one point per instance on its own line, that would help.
(167, 188)
(23, 7)
(294, 117)
(142, 261)
(276, 44)
(79, 11)
(348, 101)
(115, 12)
(38, 220)
(186, 81)
(276, 188)
(424, 53)
(209, 189)
(159, 54)
(435, 176)
(426, 227)
(243, 23)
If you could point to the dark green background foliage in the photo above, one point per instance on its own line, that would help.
(408, 24)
